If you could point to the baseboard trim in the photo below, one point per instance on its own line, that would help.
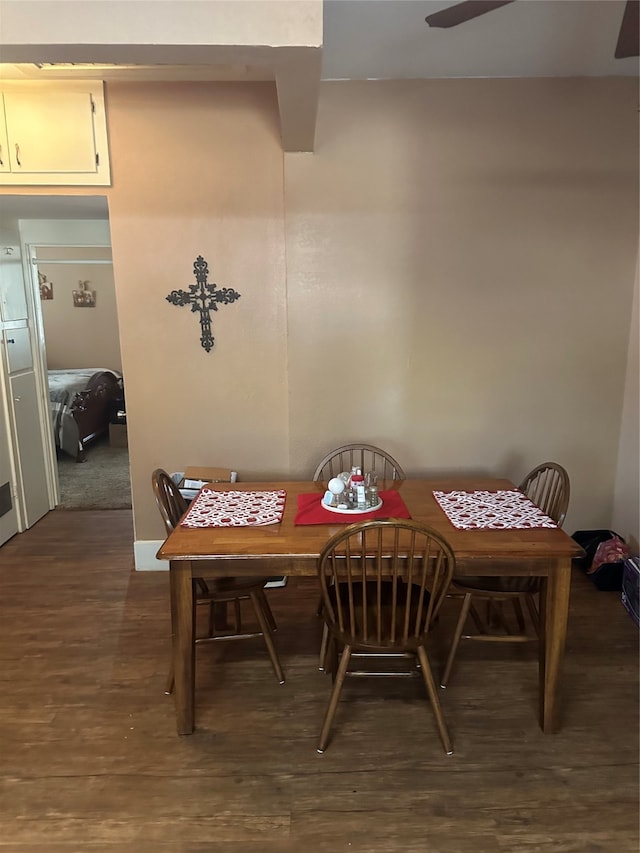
(144, 554)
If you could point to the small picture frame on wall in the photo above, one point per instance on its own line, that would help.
(83, 297)
(46, 287)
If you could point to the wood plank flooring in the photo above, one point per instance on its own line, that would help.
(90, 758)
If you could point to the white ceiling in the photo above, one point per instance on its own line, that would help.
(373, 39)
(384, 39)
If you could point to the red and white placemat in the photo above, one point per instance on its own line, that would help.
(211, 508)
(504, 509)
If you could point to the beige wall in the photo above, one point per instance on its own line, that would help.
(445, 276)
(79, 337)
(197, 170)
(626, 505)
(460, 260)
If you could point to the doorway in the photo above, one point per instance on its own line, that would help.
(67, 250)
(77, 305)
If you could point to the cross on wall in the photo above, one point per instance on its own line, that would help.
(203, 298)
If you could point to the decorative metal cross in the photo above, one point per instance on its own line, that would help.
(203, 298)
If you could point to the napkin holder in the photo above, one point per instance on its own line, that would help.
(192, 479)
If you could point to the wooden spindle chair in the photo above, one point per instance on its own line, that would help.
(367, 457)
(218, 593)
(547, 486)
(382, 584)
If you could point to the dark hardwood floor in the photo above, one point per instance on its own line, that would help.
(90, 760)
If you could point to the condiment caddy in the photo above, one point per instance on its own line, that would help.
(352, 492)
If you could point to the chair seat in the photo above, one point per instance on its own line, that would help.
(497, 584)
(384, 639)
(228, 586)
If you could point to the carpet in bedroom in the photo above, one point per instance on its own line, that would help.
(102, 482)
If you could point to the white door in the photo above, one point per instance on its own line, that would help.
(23, 433)
(23, 395)
(8, 513)
(12, 302)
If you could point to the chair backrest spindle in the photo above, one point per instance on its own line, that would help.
(547, 486)
(170, 502)
(383, 582)
(367, 457)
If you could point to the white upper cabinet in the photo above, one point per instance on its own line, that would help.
(53, 134)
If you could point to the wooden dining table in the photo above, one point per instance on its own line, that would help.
(290, 549)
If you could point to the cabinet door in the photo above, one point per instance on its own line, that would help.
(31, 462)
(50, 132)
(13, 302)
(5, 165)
(18, 341)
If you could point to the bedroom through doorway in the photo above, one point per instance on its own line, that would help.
(75, 295)
(102, 482)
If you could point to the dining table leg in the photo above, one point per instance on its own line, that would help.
(554, 614)
(183, 643)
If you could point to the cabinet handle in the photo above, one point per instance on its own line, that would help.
(18, 155)
(11, 340)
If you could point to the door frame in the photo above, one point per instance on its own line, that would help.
(16, 511)
(29, 254)
(40, 231)
(40, 369)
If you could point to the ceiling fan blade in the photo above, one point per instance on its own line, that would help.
(462, 12)
(628, 37)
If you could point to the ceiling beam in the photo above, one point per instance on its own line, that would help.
(298, 88)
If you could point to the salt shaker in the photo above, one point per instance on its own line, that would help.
(359, 491)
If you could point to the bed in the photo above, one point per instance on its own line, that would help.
(83, 400)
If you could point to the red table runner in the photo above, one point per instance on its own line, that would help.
(311, 511)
